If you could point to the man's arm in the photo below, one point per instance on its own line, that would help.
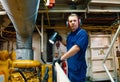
(71, 52)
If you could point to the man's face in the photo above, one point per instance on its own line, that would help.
(73, 22)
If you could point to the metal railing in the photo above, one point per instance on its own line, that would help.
(108, 51)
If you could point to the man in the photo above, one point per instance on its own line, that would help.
(77, 42)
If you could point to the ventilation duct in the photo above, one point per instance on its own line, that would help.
(23, 14)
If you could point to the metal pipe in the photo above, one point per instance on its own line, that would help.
(108, 51)
(88, 10)
(106, 69)
(23, 14)
(62, 11)
(41, 35)
(77, 11)
(111, 45)
(42, 23)
(102, 11)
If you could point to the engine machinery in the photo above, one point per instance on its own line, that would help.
(19, 65)
(12, 70)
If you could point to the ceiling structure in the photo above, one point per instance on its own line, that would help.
(92, 12)
(96, 14)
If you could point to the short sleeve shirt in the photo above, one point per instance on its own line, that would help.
(80, 38)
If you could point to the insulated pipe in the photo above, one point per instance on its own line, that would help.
(23, 14)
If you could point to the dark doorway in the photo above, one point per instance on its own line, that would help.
(49, 45)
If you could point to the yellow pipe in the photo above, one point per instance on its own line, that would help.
(25, 63)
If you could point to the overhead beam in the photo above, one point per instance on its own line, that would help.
(61, 11)
(68, 11)
(102, 11)
(79, 11)
(106, 2)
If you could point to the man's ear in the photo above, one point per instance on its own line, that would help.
(67, 24)
(79, 22)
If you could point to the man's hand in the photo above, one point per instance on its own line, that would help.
(57, 60)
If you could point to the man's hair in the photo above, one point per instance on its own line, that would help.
(73, 14)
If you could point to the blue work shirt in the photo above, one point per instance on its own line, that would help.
(77, 64)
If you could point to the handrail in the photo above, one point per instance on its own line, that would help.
(108, 51)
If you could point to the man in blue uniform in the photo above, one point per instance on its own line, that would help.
(77, 42)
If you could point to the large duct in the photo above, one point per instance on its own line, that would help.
(23, 14)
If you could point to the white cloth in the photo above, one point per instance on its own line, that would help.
(60, 50)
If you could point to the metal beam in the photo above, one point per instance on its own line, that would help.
(69, 11)
(116, 2)
(107, 54)
(102, 11)
(61, 11)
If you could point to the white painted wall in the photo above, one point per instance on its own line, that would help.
(36, 46)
